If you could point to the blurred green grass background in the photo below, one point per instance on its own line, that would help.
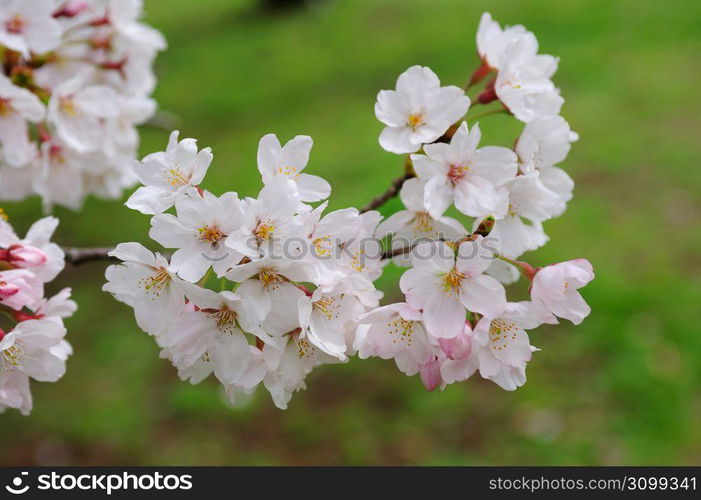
(623, 388)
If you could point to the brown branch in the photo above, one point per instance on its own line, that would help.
(391, 192)
(78, 256)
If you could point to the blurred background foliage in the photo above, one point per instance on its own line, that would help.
(623, 388)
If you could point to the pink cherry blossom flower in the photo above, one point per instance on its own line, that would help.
(555, 290)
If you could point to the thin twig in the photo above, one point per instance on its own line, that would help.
(391, 192)
(78, 256)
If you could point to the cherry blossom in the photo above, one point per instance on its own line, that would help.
(555, 290)
(33, 346)
(419, 111)
(288, 161)
(416, 223)
(198, 232)
(168, 174)
(262, 290)
(462, 174)
(68, 124)
(444, 284)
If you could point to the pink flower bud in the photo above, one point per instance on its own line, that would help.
(23, 256)
(459, 347)
(430, 374)
(20, 288)
(71, 8)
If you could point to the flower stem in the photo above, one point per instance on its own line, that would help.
(487, 113)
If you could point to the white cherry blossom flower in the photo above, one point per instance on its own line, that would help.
(288, 161)
(169, 174)
(443, 285)
(530, 203)
(416, 223)
(30, 347)
(267, 282)
(198, 232)
(321, 319)
(79, 110)
(267, 221)
(17, 107)
(499, 348)
(544, 142)
(492, 40)
(523, 83)
(39, 237)
(146, 282)
(462, 174)
(209, 334)
(29, 26)
(419, 111)
(395, 331)
(554, 291)
(20, 288)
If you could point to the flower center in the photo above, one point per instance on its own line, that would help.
(403, 330)
(5, 107)
(225, 319)
(68, 106)
(264, 231)
(500, 332)
(327, 307)
(358, 260)
(10, 357)
(156, 282)
(423, 223)
(304, 348)
(452, 280)
(415, 120)
(176, 178)
(3, 215)
(15, 24)
(457, 173)
(322, 246)
(288, 171)
(211, 234)
(269, 277)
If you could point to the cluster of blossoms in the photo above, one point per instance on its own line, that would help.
(292, 281)
(294, 287)
(75, 82)
(31, 327)
(456, 319)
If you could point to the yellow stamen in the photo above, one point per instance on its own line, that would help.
(15, 24)
(403, 330)
(10, 357)
(415, 120)
(304, 348)
(176, 178)
(155, 283)
(500, 333)
(322, 245)
(5, 107)
(452, 280)
(423, 223)
(68, 106)
(288, 171)
(327, 307)
(264, 231)
(269, 277)
(211, 234)
(225, 319)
